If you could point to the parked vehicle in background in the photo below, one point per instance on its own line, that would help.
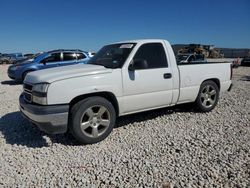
(10, 58)
(28, 55)
(122, 78)
(4, 59)
(46, 60)
(236, 63)
(209, 51)
(245, 61)
(30, 58)
(190, 58)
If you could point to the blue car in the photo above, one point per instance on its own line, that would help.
(46, 60)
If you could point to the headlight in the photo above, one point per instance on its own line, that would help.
(41, 88)
(39, 100)
(39, 93)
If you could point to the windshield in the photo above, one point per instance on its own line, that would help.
(36, 55)
(112, 56)
(40, 56)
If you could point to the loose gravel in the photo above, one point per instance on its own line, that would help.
(171, 147)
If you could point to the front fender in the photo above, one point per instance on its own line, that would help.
(64, 91)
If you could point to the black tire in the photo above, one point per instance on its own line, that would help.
(208, 96)
(80, 115)
(24, 75)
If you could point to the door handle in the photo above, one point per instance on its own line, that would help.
(167, 75)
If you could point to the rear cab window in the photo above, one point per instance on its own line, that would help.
(199, 57)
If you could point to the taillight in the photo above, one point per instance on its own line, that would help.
(231, 71)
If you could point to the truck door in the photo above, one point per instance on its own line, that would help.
(147, 82)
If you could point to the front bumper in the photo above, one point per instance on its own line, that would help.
(51, 119)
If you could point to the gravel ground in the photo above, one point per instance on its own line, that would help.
(173, 147)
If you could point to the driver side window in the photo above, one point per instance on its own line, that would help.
(153, 54)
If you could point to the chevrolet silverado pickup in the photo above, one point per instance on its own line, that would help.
(122, 78)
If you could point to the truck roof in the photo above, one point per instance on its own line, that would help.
(142, 41)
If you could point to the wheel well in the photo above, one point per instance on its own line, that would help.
(215, 80)
(25, 72)
(107, 95)
(29, 70)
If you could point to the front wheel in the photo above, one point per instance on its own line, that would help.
(208, 96)
(92, 120)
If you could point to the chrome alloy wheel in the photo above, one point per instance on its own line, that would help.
(95, 121)
(208, 96)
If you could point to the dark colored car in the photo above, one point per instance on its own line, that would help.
(245, 61)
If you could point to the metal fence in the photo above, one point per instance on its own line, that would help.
(234, 53)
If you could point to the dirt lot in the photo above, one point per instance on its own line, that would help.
(170, 146)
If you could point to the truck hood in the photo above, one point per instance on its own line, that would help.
(59, 73)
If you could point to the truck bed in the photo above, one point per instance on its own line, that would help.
(193, 74)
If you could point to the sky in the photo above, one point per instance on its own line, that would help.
(31, 26)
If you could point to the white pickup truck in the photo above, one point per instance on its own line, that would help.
(122, 78)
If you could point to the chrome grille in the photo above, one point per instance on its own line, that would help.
(27, 90)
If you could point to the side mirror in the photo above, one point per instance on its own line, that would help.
(138, 64)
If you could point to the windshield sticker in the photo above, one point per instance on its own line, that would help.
(126, 45)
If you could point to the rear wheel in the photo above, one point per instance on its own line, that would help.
(92, 120)
(208, 96)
